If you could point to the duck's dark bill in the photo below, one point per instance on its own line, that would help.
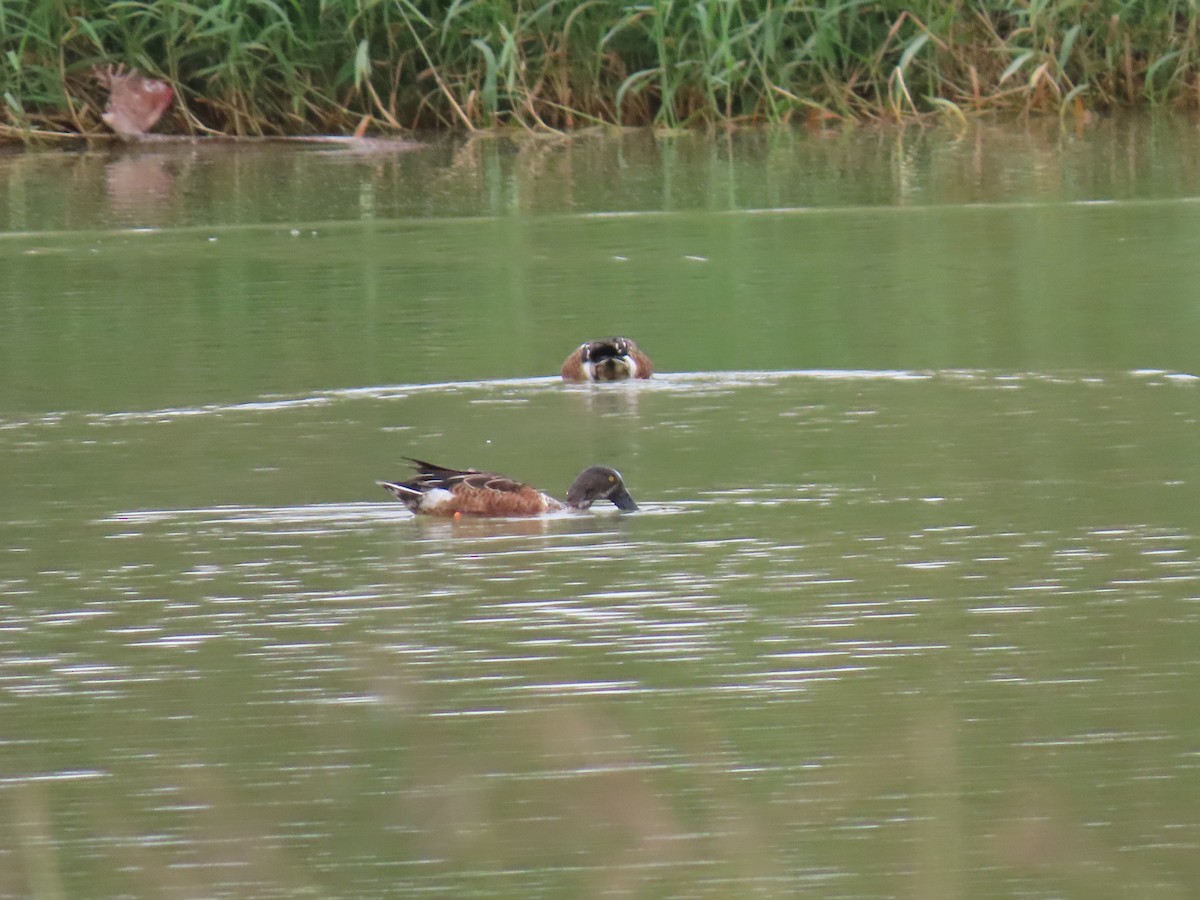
(623, 501)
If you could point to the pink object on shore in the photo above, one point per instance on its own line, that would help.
(135, 103)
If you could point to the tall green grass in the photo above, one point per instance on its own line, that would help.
(309, 66)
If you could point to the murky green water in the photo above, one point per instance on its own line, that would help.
(911, 607)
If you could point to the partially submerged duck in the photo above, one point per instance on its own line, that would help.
(612, 359)
(438, 491)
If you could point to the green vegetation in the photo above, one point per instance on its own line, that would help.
(329, 66)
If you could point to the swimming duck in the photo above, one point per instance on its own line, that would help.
(438, 491)
(612, 359)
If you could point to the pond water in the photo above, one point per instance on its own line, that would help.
(911, 606)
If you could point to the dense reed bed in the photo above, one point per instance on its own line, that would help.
(334, 66)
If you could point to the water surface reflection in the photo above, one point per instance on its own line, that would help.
(873, 633)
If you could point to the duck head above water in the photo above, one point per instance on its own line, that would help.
(599, 483)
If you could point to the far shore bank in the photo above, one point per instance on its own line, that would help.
(250, 68)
